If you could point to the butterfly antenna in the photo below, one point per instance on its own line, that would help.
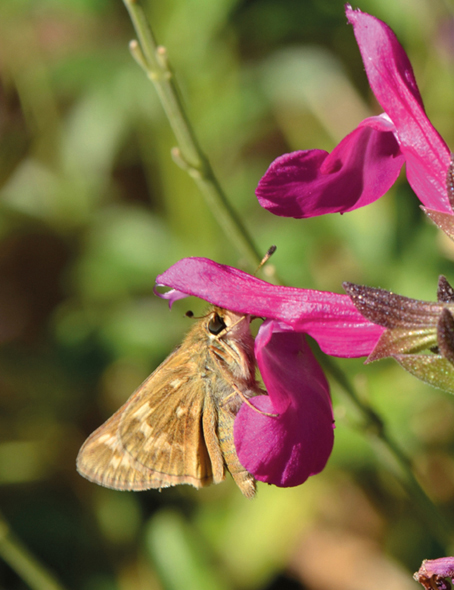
(271, 251)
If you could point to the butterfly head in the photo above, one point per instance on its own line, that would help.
(225, 324)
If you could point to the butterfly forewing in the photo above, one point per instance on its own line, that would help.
(177, 428)
(164, 433)
(102, 458)
(155, 440)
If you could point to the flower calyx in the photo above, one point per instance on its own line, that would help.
(418, 334)
(445, 221)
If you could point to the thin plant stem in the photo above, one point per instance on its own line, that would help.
(26, 565)
(188, 155)
(374, 425)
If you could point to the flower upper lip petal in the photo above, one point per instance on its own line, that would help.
(330, 318)
(287, 449)
(392, 80)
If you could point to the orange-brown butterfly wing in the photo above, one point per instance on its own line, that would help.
(162, 436)
(166, 433)
(103, 460)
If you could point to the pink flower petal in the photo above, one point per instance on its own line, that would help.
(331, 318)
(392, 80)
(357, 172)
(287, 449)
(342, 335)
(171, 296)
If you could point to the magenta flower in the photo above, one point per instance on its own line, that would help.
(367, 162)
(287, 449)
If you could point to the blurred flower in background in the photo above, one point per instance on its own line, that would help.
(92, 209)
(436, 573)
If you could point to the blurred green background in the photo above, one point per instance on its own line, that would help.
(92, 208)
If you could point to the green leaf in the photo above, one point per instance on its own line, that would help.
(432, 369)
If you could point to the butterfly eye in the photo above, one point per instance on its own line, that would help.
(216, 324)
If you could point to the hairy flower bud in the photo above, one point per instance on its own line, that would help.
(419, 334)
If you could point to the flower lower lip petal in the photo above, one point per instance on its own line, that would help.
(357, 172)
(288, 449)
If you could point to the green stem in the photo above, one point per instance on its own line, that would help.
(23, 562)
(375, 426)
(439, 526)
(153, 59)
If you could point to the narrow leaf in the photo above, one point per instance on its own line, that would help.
(432, 369)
